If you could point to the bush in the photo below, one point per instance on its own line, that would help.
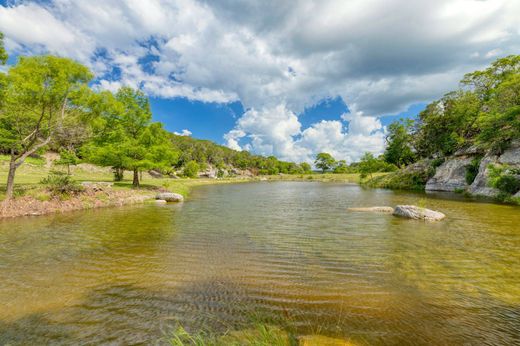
(504, 178)
(191, 169)
(508, 183)
(472, 170)
(59, 184)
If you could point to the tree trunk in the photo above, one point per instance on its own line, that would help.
(10, 179)
(136, 178)
(118, 174)
(68, 169)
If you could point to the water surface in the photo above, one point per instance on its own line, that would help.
(286, 252)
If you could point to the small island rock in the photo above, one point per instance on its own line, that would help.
(374, 209)
(417, 213)
(169, 197)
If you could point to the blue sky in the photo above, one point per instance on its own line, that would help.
(213, 120)
(274, 77)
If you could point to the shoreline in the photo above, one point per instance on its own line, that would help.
(118, 196)
(100, 198)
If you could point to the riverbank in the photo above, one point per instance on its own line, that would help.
(32, 197)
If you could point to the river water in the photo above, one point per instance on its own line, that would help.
(286, 252)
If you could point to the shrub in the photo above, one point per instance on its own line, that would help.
(59, 183)
(508, 183)
(191, 169)
(472, 170)
(504, 179)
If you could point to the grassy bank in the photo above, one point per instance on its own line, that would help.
(32, 197)
(352, 178)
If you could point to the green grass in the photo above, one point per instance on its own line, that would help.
(259, 335)
(35, 161)
(29, 176)
(327, 177)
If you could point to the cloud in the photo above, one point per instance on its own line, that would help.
(276, 57)
(277, 131)
(184, 132)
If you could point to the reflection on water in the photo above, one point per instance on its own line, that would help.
(285, 251)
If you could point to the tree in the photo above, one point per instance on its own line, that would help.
(341, 167)
(67, 158)
(368, 165)
(127, 139)
(324, 161)
(399, 140)
(306, 168)
(3, 53)
(42, 93)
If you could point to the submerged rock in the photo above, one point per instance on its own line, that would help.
(374, 209)
(320, 340)
(169, 197)
(417, 213)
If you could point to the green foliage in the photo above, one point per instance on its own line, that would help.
(370, 164)
(505, 179)
(472, 169)
(399, 140)
(413, 177)
(306, 168)
(191, 169)
(324, 161)
(341, 167)
(260, 335)
(67, 158)
(61, 184)
(42, 96)
(484, 112)
(126, 139)
(3, 53)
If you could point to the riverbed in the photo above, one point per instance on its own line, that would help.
(285, 252)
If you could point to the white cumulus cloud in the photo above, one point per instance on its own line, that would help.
(276, 57)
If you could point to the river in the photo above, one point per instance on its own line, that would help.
(277, 251)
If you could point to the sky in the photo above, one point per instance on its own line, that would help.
(274, 77)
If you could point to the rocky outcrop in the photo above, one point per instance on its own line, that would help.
(451, 175)
(374, 209)
(169, 197)
(480, 186)
(511, 156)
(417, 213)
(209, 173)
(155, 174)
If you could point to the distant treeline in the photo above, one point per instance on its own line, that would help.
(46, 103)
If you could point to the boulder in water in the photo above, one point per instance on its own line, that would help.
(417, 213)
(169, 197)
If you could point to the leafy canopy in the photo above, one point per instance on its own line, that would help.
(324, 161)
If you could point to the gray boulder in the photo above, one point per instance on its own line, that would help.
(155, 174)
(417, 213)
(480, 186)
(450, 176)
(511, 156)
(169, 197)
